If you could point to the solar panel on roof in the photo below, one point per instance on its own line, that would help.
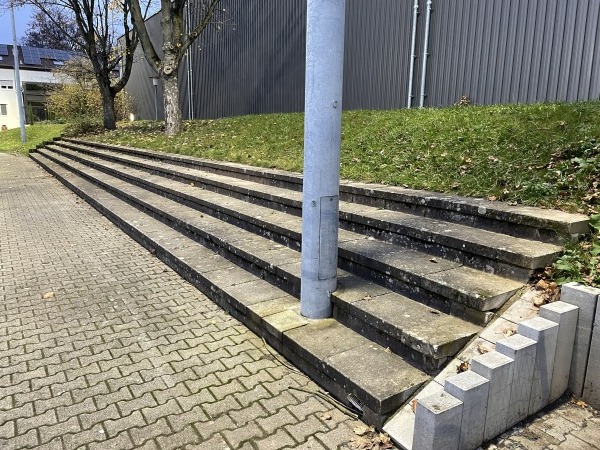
(31, 55)
(3, 50)
(34, 55)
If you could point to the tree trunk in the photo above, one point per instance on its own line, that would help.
(172, 109)
(108, 108)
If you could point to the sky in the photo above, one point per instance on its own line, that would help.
(22, 19)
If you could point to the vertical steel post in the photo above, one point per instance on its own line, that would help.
(425, 53)
(322, 139)
(155, 84)
(18, 88)
(413, 53)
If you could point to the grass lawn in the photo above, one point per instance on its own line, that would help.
(544, 155)
(10, 141)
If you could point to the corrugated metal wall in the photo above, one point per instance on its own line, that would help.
(493, 51)
(506, 51)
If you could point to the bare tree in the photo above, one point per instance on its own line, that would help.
(98, 25)
(42, 32)
(175, 43)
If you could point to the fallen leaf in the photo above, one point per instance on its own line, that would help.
(325, 416)
(48, 295)
(481, 348)
(581, 403)
(387, 350)
(509, 332)
(492, 198)
(361, 430)
(385, 441)
(367, 297)
(462, 367)
(542, 285)
(413, 405)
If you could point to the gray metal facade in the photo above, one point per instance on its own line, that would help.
(492, 51)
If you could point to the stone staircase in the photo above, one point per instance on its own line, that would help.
(419, 274)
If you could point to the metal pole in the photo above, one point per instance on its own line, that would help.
(322, 139)
(155, 84)
(425, 53)
(17, 74)
(413, 56)
(155, 102)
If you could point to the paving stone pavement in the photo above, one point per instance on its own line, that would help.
(565, 425)
(104, 347)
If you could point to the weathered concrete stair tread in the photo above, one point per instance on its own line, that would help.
(517, 251)
(379, 379)
(285, 264)
(487, 291)
(339, 350)
(561, 222)
(243, 187)
(416, 325)
(291, 179)
(489, 245)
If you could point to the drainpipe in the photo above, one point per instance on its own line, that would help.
(413, 55)
(425, 53)
(322, 140)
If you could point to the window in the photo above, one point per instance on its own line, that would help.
(3, 110)
(6, 84)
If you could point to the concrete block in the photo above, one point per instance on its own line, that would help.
(545, 333)
(522, 350)
(473, 390)
(586, 298)
(498, 369)
(402, 426)
(437, 422)
(591, 388)
(565, 315)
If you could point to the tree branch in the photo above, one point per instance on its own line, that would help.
(206, 20)
(144, 37)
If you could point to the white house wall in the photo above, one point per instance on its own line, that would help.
(8, 97)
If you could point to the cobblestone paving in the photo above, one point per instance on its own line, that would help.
(103, 347)
(564, 426)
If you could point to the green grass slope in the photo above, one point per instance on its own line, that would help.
(544, 155)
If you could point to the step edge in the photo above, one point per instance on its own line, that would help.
(525, 215)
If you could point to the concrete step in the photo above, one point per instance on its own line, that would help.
(387, 318)
(355, 370)
(508, 256)
(521, 221)
(438, 282)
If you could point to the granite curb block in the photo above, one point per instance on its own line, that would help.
(527, 366)
(586, 351)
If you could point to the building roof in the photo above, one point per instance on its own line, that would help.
(34, 58)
